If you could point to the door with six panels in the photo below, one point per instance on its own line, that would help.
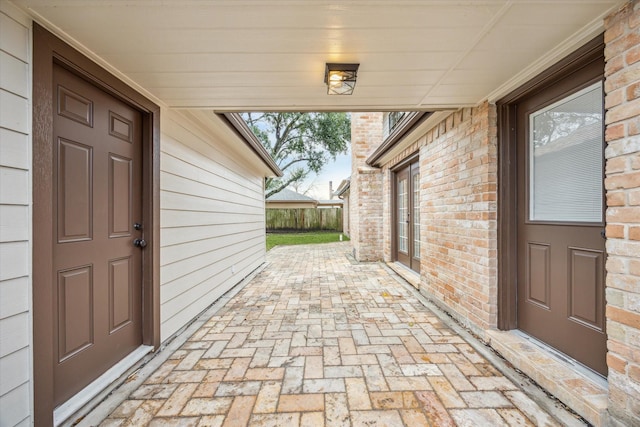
(97, 269)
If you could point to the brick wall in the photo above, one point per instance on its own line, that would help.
(366, 187)
(387, 215)
(458, 193)
(458, 169)
(622, 183)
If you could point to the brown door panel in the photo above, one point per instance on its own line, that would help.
(97, 196)
(560, 290)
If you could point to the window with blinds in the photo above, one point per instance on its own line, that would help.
(565, 159)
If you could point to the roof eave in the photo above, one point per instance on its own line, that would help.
(235, 121)
(410, 122)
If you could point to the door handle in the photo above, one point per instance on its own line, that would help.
(140, 243)
(603, 233)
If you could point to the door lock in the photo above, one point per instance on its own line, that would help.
(140, 243)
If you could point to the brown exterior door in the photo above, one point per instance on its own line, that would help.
(407, 216)
(97, 270)
(561, 249)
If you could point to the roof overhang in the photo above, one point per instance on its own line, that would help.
(270, 55)
(412, 127)
(236, 122)
(344, 186)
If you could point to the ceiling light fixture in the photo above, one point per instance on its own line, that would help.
(340, 78)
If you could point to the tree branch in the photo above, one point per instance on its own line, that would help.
(294, 162)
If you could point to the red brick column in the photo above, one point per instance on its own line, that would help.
(622, 183)
(366, 188)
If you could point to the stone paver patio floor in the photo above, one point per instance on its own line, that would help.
(315, 339)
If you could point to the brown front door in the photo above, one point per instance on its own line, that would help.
(407, 216)
(97, 270)
(561, 248)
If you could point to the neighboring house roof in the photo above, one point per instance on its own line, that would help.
(344, 186)
(287, 195)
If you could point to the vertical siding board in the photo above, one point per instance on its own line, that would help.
(15, 200)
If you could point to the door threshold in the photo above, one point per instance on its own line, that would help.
(578, 387)
(84, 396)
(406, 273)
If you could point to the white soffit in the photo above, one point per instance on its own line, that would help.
(239, 55)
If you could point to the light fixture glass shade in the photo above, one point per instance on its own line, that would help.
(340, 78)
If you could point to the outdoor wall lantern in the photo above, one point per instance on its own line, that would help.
(340, 78)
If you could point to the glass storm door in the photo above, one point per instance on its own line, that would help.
(407, 216)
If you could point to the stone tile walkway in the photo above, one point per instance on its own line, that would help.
(317, 340)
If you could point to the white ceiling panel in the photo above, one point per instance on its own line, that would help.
(238, 55)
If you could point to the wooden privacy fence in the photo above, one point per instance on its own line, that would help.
(307, 219)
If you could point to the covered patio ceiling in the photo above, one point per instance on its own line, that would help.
(239, 55)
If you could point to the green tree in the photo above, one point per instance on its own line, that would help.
(300, 143)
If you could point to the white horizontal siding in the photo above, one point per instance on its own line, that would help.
(211, 219)
(15, 218)
(14, 297)
(228, 239)
(16, 367)
(14, 112)
(179, 235)
(14, 223)
(14, 150)
(14, 186)
(207, 262)
(176, 188)
(15, 406)
(201, 296)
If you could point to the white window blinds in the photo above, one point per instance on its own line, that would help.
(565, 159)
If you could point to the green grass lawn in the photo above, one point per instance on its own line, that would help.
(274, 239)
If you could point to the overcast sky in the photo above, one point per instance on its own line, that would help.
(334, 171)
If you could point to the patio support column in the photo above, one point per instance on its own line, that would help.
(366, 188)
(622, 183)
